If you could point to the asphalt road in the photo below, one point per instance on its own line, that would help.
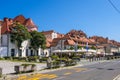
(98, 71)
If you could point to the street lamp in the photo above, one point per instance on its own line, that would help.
(62, 47)
(61, 53)
(0, 39)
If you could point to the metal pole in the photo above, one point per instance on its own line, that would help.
(61, 53)
(0, 40)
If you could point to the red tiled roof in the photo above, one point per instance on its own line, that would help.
(60, 35)
(92, 41)
(20, 19)
(55, 41)
(47, 32)
(6, 24)
(69, 42)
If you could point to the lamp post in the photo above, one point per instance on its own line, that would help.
(62, 47)
(0, 40)
(61, 53)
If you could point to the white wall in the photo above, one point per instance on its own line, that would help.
(4, 40)
(101, 50)
(3, 51)
(54, 35)
(114, 50)
(7, 45)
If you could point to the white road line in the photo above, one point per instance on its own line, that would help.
(117, 77)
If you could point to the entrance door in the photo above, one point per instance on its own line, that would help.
(12, 52)
(32, 53)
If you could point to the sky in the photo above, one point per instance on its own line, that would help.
(94, 17)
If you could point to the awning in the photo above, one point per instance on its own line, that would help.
(73, 51)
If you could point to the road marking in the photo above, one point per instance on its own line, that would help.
(88, 70)
(59, 78)
(116, 78)
(37, 77)
(67, 73)
(78, 71)
(22, 77)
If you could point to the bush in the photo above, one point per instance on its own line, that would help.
(1, 58)
(62, 59)
(55, 64)
(33, 58)
(70, 63)
(55, 57)
(76, 58)
(43, 59)
(7, 58)
(25, 64)
(23, 58)
(15, 58)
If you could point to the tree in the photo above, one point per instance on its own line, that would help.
(19, 33)
(37, 40)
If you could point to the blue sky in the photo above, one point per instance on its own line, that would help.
(94, 17)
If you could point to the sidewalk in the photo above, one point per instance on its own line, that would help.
(8, 66)
(81, 63)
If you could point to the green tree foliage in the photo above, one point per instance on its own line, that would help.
(93, 48)
(19, 33)
(71, 47)
(79, 47)
(37, 40)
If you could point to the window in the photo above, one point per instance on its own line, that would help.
(1, 40)
(32, 53)
(37, 53)
(12, 52)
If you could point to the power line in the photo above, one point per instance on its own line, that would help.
(114, 6)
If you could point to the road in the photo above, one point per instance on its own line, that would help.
(98, 71)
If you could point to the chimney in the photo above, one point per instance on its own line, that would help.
(6, 19)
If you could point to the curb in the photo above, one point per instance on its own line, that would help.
(6, 77)
(51, 70)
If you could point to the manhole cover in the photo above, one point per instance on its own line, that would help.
(110, 69)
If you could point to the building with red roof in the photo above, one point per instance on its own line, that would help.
(8, 48)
